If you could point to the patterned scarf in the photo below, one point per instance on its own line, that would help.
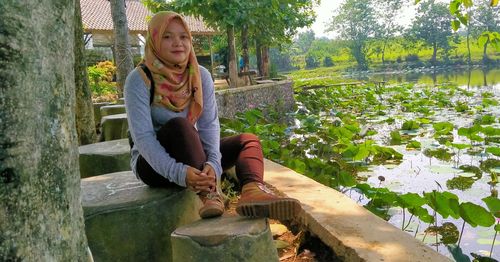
(177, 86)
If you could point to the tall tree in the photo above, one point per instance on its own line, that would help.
(274, 23)
(304, 40)
(485, 18)
(355, 20)
(432, 26)
(387, 11)
(123, 55)
(41, 217)
(84, 111)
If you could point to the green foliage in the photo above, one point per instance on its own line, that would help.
(100, 79)
(356, 22)
(410, 125)
(476, 215)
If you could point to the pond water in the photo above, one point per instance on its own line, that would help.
(419, 173)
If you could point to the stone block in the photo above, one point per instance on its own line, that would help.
(97, 112)
(224, 239)
(104, 158)
(120, 101)
(112, 110)
(126, 220)
(114, 127)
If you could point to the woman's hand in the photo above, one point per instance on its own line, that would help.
(200, 181)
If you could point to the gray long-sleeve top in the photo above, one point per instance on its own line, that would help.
(145, 119)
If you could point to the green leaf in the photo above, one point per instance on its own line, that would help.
(454, 5)
(455, 24)
(410, 125)
(346, 179)
(493, 150)
(467, 3)
(497, 227)
(476, 215)
(411, 200)
(483, 39)
(493, 204)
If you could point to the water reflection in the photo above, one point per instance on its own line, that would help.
(472, 77)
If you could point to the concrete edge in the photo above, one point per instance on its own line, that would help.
(353, 233)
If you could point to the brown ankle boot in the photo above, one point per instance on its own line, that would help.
(213, 205)
(258, 201)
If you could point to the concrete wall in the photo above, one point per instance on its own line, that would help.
(277, 94)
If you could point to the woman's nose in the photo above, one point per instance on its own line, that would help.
(177, 41)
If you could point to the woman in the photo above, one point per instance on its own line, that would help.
(176, 134)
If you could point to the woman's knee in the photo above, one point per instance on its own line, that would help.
(249, 138)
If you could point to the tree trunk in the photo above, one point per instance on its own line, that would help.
(41, 217)
(258, 53)
(434, 54)
(244, 45)
(265, 61)
(85, 126)
(233, 71)
(485, 55)
(383, 51)
(469, 60)
(124, 62)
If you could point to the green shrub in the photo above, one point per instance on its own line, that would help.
(100, 79)
(327, 62)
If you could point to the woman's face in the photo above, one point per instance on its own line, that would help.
(175, 43)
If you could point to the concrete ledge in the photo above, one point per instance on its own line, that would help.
(112, 110)
(224, 239)
(97, 112)
(126, 220)
(277, 94)
(114, 127)
(350, 230)
(104, 158)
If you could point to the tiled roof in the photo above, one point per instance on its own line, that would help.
(96, 16)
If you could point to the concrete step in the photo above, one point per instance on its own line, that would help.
(112, 109)
(126, 220)
(114, 127)
(224, 239)
(104, 158)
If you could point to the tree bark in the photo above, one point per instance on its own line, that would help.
(123, 55)
(85, 126)
(469, 60)
(41, 217)
(258, 53)
(265, 61)
(485, 54)
(244, 45)
(233, 71)
(434, 54)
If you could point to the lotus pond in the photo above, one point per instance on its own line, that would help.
(425, 156)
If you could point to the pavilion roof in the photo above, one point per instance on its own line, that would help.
(96, 16)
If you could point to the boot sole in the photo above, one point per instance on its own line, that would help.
(281, 209)
(210, 212)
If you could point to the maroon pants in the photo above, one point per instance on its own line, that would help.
(182, 142)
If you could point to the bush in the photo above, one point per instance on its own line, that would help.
(327, 62)
(101, 79)
(412, 58)
(311, 62)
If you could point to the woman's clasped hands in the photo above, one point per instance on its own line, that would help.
(201, 180)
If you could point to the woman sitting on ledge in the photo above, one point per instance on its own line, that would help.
(176, 133)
